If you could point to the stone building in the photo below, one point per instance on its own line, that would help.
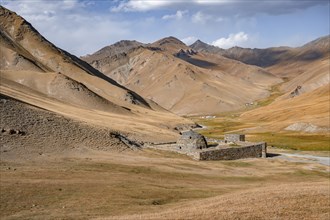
(195, 145)
(234, 137)
(191, 140)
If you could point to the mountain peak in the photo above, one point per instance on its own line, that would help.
(169, 40)
(198, 42)
(170, 44)
(124, 43)
(204, 47)
(122, 46)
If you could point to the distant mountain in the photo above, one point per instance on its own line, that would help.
(258, 57)
(36, 72)
(270, 56)
(204, 47)
(304, 66)
(120, 47)
(182, 80)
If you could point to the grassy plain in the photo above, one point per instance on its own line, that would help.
(216, 128)
(231, 122)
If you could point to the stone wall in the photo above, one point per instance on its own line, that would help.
(233, 153)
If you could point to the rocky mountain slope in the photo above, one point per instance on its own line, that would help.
(305, 92)
(183, 80)
(36, 72)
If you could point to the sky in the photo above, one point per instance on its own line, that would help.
(84, 26)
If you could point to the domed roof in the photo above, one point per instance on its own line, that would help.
(191, 140)
(190, 135)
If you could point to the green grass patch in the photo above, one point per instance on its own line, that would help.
(217, 127)
(274, 93)
(293, 141)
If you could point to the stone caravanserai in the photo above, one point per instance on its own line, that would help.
(232, 147)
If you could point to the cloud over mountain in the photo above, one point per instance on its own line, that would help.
(189, 40)
(231, 40)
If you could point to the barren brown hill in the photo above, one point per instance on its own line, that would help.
(35, 71)
(308, 67)
(305, 93)
(308, 112)
(184, 81)
(304, 105)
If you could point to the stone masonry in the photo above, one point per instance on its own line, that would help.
(234, 137)
(233, 153)
(191, 140)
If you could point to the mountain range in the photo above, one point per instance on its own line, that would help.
(202, 79)
(136, 85)
(181, 79)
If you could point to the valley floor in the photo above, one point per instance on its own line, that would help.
(59, 168)
(148, 184)
(53, 167)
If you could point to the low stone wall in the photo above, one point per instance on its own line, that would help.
(233, 153)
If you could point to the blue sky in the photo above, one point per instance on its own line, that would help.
(85, 26)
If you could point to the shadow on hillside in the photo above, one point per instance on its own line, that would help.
(198, 62)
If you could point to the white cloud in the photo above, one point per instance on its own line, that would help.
(220, 19)
(200, 17)
(227, 7)
(189, 40)
(146, 5)
(178, 15)
(232, 40)
(211, 2)
(69, 4)
(142, 5)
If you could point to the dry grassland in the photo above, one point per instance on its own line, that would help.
(85, 183)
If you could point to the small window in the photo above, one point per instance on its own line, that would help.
(189, 137)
